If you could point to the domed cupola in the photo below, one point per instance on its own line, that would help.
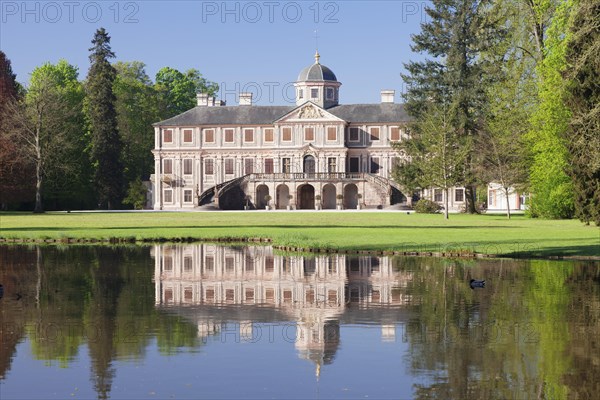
(317, 83)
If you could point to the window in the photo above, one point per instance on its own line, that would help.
(270, 295)
(268, 165)
(310, 296)
(354, 264)
(209, 264)
(314, 93)
(329, 93)
(167, 166)
(187, 166)
(187, 196)
(210, 295)
(168, 263)
(374, 132)
(300, 93)
(459, 195)
(209, 167)
(229, 264)
(228, 135)
(287, 134)
(331, 164)
(354, 134)
(375, 296)
(249, 264)
(269, 263)
(395, 133)
(209, 135)
(374, 264)
(287, 296)
(187, 263)
(331, 133)
(331, 265)
(248, 166)
(187, 136)
(249, 294)
(248, 135)
(168, 136)
(286, 165)
(168, 195)
(437, 195)
(229, 166)
(268, 134)
(332, 296)
(310, 266)
(354, 164)
(309, 134)
(375, 165)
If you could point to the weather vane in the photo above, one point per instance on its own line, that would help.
(317, 39)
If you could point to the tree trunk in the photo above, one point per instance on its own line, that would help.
(38, 189)
(470, 200)
(446, 203)
(507, 203)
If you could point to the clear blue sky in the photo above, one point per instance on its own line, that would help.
(240, 45)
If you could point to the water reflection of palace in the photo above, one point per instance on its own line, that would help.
(318, 293)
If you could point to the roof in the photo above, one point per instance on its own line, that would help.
(228, 115)
(317, 72)
(370, 113)
(266, 115)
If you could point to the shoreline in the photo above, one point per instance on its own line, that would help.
(288, 249)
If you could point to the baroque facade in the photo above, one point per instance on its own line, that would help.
(315, 154)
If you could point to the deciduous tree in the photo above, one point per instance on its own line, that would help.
(583, 100)
(177, 90)
(436, 151)
(44, 120)
(551, 187)
(136, 105)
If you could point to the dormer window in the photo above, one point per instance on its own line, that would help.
(314, 93)
(329, 93)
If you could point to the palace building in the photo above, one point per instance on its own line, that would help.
(317, 153)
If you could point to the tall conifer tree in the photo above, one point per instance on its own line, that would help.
(102, 117)
(455, 74)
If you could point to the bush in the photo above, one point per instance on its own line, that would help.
(136, 194)
(425, 206)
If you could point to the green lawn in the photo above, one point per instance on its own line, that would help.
(488, 234)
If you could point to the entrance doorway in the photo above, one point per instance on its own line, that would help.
(306, 197)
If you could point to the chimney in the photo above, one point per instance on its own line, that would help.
(245, 99)
(387, 96)
(202, 99)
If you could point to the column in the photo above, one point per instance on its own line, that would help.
(157, 189)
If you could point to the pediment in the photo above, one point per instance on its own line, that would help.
(308, 112)
(309, 148)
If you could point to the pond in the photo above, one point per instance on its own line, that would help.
(206, 321)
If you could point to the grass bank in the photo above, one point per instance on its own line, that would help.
(375, 231)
